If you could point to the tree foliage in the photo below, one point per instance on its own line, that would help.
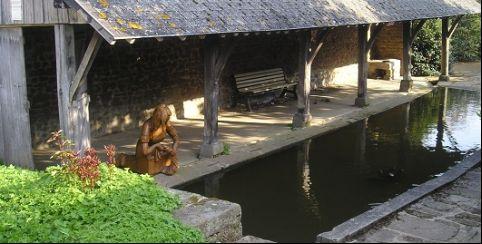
(465, 45)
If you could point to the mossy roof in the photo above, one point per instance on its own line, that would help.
(131, 19)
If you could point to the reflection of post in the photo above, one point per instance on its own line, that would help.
(212, 185)
(441, 119)
(303, 165)
(361, 141)
(404, 137)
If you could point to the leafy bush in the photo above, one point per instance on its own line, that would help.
(465, 45)
(53, 207)
(427, 49)
(466, 40)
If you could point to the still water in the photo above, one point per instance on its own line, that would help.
(310, 188)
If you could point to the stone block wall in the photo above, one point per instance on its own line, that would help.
(126, 81)
(337, 62)
(389, 44)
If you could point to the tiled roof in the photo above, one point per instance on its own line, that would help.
(130, 19)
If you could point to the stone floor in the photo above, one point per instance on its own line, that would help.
(239, 128)
(465, 76)
(451, 214)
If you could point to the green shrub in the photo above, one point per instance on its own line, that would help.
(466, 40)
(55, 207)
(427, 49)
(465, 45)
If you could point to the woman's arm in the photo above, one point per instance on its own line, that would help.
(173, 134)
(145, 140)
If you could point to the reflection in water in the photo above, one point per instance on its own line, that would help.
(296, 194)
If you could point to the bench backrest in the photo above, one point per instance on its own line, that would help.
(264, 80)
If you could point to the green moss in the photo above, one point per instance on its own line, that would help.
(53, 207)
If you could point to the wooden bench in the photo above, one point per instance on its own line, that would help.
(264, 81)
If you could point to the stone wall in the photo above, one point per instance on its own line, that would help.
(41, 82)
(337, 62)
(126, 81)
(389, 44)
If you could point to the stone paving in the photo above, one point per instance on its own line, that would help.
(451, 214)
(465, 76)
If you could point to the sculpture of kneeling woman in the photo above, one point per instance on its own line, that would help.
(152, 157)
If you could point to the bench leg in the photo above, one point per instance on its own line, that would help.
(294, 92)
(283, 93)
(248, 104)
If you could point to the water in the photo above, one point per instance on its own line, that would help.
(296, 194)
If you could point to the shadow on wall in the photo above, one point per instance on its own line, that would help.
(337, 61)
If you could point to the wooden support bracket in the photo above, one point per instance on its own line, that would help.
(86, 64)
(317, 42)
(222, 56)
(416, 29)
(455, 23)
(374, 36)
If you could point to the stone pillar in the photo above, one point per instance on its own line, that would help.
(303, 117)
(407, 82)
(211, 145)
(362, 97)
(73, 115)
(15, 137)
(445, 51)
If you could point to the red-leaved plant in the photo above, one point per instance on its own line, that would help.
(85, 166)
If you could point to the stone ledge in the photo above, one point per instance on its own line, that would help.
(253, 239)
(355, 226)
(218, 220)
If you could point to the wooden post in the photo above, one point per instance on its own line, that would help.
(361, 141)
(362, 98)
(16, 141)
(445, 50)
(303, 117)
(215, 59)
(73, 115)
(447, 32)
(407, 82)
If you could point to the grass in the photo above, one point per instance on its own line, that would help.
(226, 149)
(53, 207)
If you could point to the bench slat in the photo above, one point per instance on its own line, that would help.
(266, 89)
(257, 73)
(269, 89)
(273, 84)
(260, 81)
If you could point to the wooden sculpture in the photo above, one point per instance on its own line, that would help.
(152, 156)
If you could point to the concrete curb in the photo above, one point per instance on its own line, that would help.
(347, 230)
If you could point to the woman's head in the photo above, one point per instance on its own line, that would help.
(162, 115)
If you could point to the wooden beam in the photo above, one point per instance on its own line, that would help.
(445, 59)
(318, 42)
(86, 63)
(302, 117)
(362, 98)
(16, 141)
(407, 81)
(73, 113)
(215, 59)
(455, 23)
(222, 56)
(374, 36)
(416, 30)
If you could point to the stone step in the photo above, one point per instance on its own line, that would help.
(219, 220)
(253, 239)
